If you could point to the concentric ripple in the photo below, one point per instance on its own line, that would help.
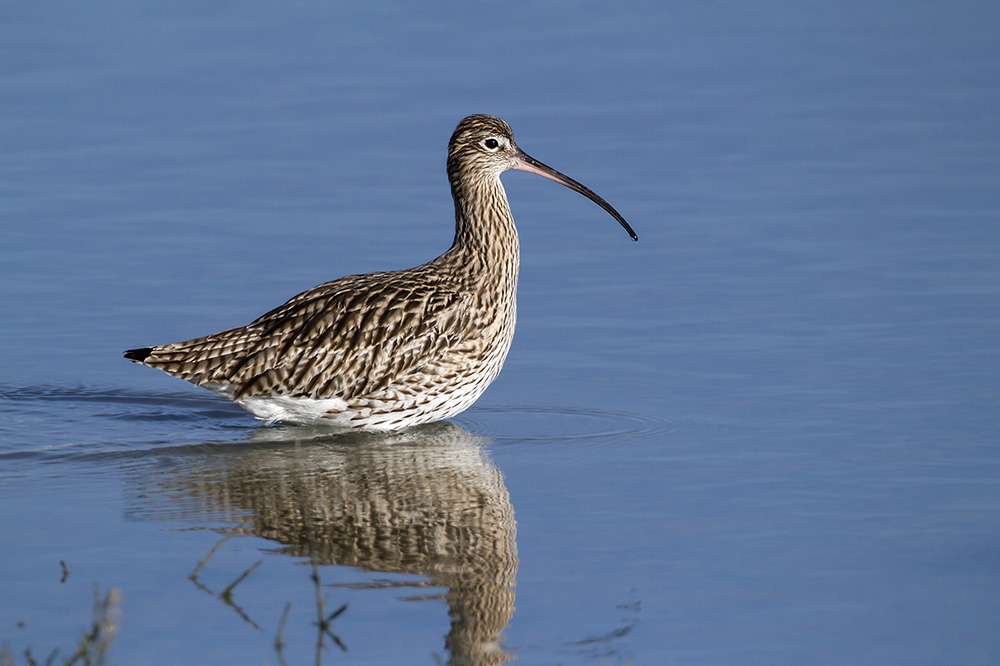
(91, 419)
(557, 424)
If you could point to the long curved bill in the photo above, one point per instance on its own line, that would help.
(524, 162)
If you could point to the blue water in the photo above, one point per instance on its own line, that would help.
(768, 433)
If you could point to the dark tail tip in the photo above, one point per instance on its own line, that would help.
(139, 355)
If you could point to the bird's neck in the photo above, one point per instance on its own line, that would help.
(485, 235)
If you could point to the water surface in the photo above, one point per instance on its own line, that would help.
(766, 433)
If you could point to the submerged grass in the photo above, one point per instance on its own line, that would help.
(93, 646)
(324, 620)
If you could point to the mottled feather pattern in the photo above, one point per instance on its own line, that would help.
(345, 338)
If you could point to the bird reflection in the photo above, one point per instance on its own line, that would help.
(426, 502)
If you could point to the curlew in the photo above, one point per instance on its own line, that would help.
(384, 351)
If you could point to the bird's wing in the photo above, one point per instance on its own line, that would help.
(345, 338)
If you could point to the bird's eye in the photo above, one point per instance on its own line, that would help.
(491, 144)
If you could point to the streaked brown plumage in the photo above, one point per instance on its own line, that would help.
(387, 350)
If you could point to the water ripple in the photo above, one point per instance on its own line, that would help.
(81, 420)
(537, 423)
